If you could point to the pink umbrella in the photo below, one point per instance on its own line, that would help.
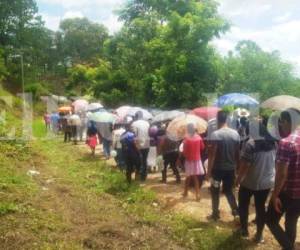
(80, 105)
(206, 113)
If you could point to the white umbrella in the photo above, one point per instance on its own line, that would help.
(146, 114)
(95, 106)
(167, 115)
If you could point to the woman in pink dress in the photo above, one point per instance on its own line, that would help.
(192, 147)
(91, 140)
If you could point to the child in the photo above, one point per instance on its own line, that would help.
(91, 140)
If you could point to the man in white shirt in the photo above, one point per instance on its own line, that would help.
(141, 129)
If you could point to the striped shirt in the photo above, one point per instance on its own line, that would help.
(289, 154)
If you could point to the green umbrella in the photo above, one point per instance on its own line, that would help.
(104, 117)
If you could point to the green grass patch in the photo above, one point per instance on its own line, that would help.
(6, 208)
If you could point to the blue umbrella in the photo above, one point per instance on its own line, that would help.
(236, 100)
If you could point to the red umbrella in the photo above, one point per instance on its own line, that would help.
(206, 113)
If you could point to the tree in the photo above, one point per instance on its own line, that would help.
(250, 69)
(165, 49)
(82, 40)
(15, 17)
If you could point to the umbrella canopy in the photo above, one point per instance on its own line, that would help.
(80, 105)
(103, 117)
(167, 116)
(237, 100)
(65, 109)
(177, 129)
(122, 111)
(207, 113)
(146, 114)
(75, 120)
(282, 102)
(95, 106)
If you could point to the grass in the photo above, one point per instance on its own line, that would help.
(85, 188)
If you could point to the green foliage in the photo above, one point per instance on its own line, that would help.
(36, 89)
(82, 40)
(3, 69)
(6, 208)
(250, 69)
(164, 49)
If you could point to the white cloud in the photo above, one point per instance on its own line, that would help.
(112, 23)
(283, 37)
(73, 14)
(283, 18)
(51, 22)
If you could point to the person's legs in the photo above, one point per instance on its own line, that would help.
(260, 198)
(228, 182)
(164, 171)
(186, 185)
(144, 155)
(106, 147)
(291, 219)
(129, 168)
(215, 193)
(197, 188)
(66, 136)
(244, 202)
(272, 221)
(173, 160)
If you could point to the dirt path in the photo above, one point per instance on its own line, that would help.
(171, 198)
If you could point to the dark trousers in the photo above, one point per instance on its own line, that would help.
(143, 163)
(74, 133)
(227, 179)
(260, 197)
(170, 159)
(291, 209)
(120, 159)
(132, 164)
(106, 147)
(68, 135)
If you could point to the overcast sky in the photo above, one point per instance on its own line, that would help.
(273, 24)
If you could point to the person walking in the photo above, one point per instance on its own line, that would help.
(66, 127)
(286, 195)
(47, 120)
(192, 147)
(105, 131)
(130, 153)
(256, 178)
(169, 149)
(141, 129)
(223, 159)
(91, 139)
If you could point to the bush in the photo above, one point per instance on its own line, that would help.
(37, 90)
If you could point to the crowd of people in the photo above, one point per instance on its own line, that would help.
(244, 156)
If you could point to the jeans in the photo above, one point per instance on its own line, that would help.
(291, 209)
(106, 147)
(227, 178)
(143, 163)
(260, 197)
(170, 158)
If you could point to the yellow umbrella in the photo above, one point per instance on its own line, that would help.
(177, 128)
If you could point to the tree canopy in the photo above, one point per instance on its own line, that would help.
(163, 56)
